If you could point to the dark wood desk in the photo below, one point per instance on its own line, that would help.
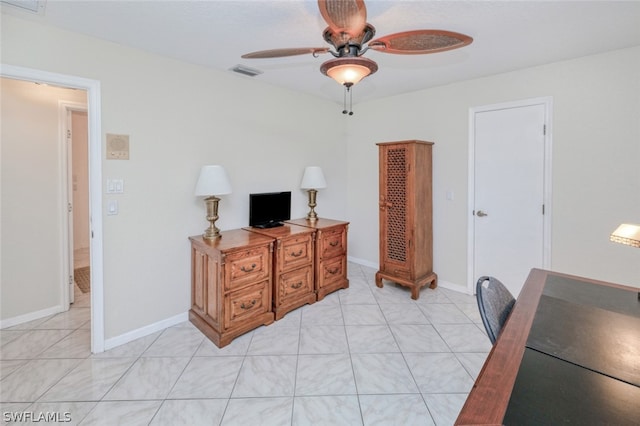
(527, 375)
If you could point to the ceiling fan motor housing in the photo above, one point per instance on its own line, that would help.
(345, 44)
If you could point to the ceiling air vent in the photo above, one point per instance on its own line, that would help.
(33, 6)
(245, 70)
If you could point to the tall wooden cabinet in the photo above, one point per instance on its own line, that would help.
(406, 220)
(231, 284)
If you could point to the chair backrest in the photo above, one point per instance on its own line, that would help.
(495, 302)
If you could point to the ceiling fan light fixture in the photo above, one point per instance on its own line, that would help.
(348, 70)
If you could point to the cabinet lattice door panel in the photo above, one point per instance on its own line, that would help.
(396, 203)
(405, 206)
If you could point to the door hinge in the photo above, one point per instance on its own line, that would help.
(543, 209)
(70, 279)
(544, 129)
(69, 207)
(68, 133)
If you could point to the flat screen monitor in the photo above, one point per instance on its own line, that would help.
(269, 209)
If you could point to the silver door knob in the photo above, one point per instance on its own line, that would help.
(480, 213)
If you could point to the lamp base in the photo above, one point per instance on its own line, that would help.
(312, 216)
(212, 232)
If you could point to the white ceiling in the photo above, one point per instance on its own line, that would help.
(508, 35)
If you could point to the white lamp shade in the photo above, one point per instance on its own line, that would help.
(628, 234)
(213, 180)
(313, 178)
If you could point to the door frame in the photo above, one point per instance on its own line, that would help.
(547, 101)
(92, 87)
(65, 109)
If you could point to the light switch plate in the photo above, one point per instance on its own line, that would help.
(112, 207)
(115, 186)
(117, 147)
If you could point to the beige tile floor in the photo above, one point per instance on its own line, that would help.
(361, 356)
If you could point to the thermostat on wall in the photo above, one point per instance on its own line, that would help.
(117, 147)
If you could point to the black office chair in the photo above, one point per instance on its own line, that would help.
(495, 302)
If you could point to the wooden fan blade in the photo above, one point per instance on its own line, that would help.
(344, 16)
(420, 42)
(280, 53)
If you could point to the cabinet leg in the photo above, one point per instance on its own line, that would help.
(434, 283)
(378, 280)
(415, 292)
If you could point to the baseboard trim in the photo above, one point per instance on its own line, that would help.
(31, 316)
(441, 283)
(451, 286)
(145, 331)
(363, 262)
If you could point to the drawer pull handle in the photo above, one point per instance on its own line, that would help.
(334, 243)
(297, 285)
(248, 306)
(245, 269)
(298, 254)
(333, 271)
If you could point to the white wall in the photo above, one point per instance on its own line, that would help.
(596, 146)
(32, 208)
(180, 117)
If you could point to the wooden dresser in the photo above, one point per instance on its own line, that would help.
(406, 238)
(330, 263)
(293, 280)
(231, 284)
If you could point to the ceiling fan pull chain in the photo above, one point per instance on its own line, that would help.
(347, 89)
(344, 99)
(350, 100)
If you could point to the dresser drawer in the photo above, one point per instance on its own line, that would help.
(333, 242)
(242, 267)
(295, 284)
(295, 252)
(246, 303)
(332, 270)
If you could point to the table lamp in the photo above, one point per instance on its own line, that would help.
(213, 181)
(627, 234)
(312, 180)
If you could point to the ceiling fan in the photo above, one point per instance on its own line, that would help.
(351, 36)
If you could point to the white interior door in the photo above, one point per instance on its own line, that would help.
(509, 194)
(69, 199)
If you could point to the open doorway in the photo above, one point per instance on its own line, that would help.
(30, 169)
